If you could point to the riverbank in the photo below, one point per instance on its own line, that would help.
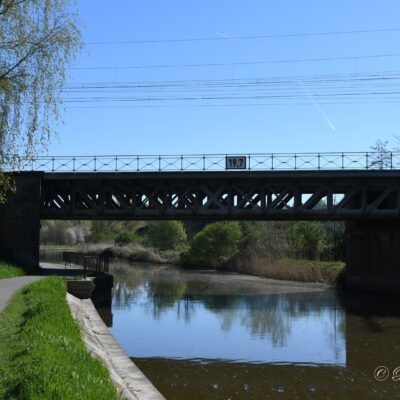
(132, 382)
(39, 332)
(207, 281)
(288, 269)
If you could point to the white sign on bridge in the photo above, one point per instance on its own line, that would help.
(235, 162)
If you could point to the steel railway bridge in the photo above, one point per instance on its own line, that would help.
(361, 188)
(295, 195)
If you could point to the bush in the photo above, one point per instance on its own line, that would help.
(309, 237)
(54, 234)
(125, 237)
(214, 245)
(335, 239)
(101, 237)
(166, 235)
(266, 238)
(104, 231)
(63, 233)
(77, 234)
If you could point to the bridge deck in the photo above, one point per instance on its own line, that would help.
(264, 195)
(210, 162)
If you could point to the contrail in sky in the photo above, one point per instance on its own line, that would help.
(317, 106)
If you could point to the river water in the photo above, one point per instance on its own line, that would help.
(206, 335)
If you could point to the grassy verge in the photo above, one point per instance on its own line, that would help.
(42, 352)
(289, 269)
(8, 270)
(56, 246)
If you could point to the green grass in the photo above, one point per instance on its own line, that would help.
(42, 353)
(333, 265)
(8, 270)
(57, 246)
(290, 269)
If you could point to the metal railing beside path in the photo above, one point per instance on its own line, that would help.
(209, 162)
(93, 263)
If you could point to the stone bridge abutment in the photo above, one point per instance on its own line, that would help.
(20, 220)
(373, 255)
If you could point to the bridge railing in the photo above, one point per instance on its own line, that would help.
(209, 162)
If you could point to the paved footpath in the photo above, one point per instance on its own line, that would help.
(10, 286)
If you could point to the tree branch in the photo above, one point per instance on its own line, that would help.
(9, 5)
(34, 48)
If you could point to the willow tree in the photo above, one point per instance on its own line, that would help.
(39, 39)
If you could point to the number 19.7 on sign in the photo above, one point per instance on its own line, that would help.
(235, 162)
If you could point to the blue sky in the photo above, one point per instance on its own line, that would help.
(307, 122)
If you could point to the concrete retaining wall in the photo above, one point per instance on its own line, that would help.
(126, 375)
(80, 289)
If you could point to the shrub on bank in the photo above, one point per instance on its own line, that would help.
(42, 352)
(135, 252)
(214, 245)
(309, 237)
(102, 237)
(126, 237)
(63, 233)
(266, 238)
(166, 235)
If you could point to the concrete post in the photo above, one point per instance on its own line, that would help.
(20, 221)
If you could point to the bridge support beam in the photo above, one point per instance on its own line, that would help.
(373, 255)
(20, 221)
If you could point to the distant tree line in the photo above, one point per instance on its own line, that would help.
(219, 242)
(211, 243)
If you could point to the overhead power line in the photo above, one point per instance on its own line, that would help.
(210, 105)
(319, 79)
(10, 44)
(247, 37)
(200, 65)
(337, 88)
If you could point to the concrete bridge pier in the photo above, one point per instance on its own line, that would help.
(20, 220)
(373, 255)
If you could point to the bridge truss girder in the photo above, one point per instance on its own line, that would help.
(295, 195)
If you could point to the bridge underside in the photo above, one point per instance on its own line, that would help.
(301, 195)
(368, 200)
